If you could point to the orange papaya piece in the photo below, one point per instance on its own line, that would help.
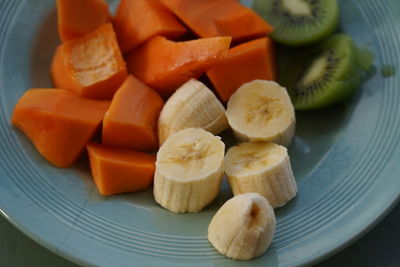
(165, 65)
(244, 63)
(79, 17)
(58, 122)
(120, 170)
(132, 117)
(91, 65)
(208, 18)
(138, 20)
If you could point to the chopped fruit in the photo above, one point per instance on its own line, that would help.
(299, 22)
(209, 18)
(91, 65)
(58, 122)
(165, 65)
(263, 168)
(325, 74)
(138, 20)
(120, 170)
(243, 228)
(79, 17)
(132, 117)
(189, 170)
(262, 111)
(243, 63)
(192, 105)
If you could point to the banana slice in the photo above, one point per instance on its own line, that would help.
(263, 168)
(192, 105)
(262, 111)
(189, 170)
(243, 227)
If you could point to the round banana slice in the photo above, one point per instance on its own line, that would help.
(192, 105)
(263, 168)
(243, 228)
(262, 111)
(189, 170)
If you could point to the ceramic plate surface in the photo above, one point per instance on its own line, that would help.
(345, 159)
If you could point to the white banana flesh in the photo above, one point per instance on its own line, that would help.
(243, 228)
(262, 111)
(263, 168)
(192, 105)
(189, 170)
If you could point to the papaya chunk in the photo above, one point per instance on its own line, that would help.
(209, 18)
(165, 65)
(153, 18)
(132, 117)
(58, 122)
(91, 65)
(79, 17)
(120, 170)
(244, 63)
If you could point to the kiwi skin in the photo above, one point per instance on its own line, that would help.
(343, 74)
(299, 30)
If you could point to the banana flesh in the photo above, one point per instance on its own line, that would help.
(262, 111)
(243, 228)
(192, 105)
(263, 168)
(189, 170)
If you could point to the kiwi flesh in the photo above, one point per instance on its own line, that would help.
(299, 22)
(322, 75)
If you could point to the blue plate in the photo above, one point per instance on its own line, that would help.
(345, 159)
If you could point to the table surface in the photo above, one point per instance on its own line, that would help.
(379, 247)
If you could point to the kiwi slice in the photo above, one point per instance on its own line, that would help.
(324, 74)
(299, 22)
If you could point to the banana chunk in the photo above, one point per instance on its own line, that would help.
(192, 105)
(262, 111)
(243, 228)
(189, 170)
(263, 168)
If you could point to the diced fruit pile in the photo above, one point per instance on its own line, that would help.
(139, 79)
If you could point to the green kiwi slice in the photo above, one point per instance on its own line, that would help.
(322, 75)
(299, 22)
